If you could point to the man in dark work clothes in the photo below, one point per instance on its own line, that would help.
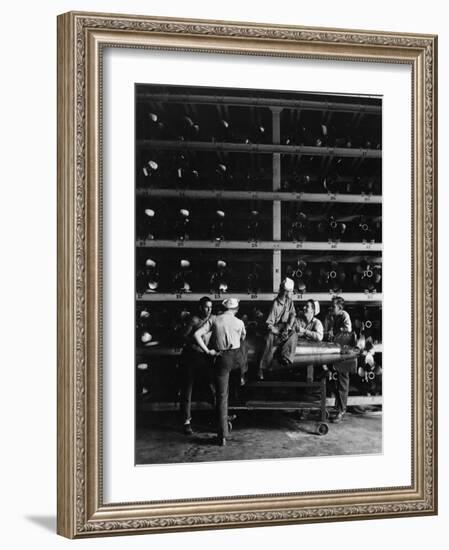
(338, 326)
(227, 334)
(195, 364)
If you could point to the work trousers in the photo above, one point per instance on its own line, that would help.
(286, 348)
(224, 364)
(195, 366)
(342, 391)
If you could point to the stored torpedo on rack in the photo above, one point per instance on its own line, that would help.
(323, 136)
(223, 132)
(367, 321)
(156, 128)
(254, 226)
(332, 277)
(182, 279)
(149, 224)
(182, 225)
(145, 334)
(220, 279)
(366, 229)
(333, 182)
(148, 277)
(301, 274)
(367, 276)
(178, 325)
(190, 130)
(331, 230)
(258, 134)
(223, 178)
(368, 369)
(298, 135)
(152, 275)
(151, 172)
(218, 227)
(297, 182)
(300, 227)
(143, 318)
(253, 279)
(367, 184)
(187, 177)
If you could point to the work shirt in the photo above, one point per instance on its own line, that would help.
(193, 325)
(282, 311)
(338, 323)
(313, 330)
(226, 331)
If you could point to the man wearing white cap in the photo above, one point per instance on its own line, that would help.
(227, 334)
(280, 322)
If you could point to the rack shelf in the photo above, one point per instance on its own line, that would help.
(261, 245)
(267, 148)
(259, 195)
(305, 104)
(320, 296)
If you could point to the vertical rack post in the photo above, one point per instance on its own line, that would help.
(276, 113)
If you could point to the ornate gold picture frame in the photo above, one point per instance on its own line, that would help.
(82, 40)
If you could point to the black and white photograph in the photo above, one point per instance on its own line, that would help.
(258, 274)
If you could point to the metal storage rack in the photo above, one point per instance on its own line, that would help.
(276, 247)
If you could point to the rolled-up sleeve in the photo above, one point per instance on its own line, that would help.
(316, 332)
(272, 316)
(346, 325)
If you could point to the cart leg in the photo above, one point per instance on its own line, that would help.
(309, 375)
(323, 399)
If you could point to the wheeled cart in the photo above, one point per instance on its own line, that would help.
(321, 427)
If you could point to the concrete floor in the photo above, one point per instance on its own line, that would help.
(255, 435)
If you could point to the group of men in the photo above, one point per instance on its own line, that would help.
(213, 344)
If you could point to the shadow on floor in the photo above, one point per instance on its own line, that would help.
(255, 435)
(46, 522)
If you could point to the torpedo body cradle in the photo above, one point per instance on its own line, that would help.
(307, 353)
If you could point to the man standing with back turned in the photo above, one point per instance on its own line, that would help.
(227, 333)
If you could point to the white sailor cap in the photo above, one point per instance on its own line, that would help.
(288, 284)
(231, 303)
